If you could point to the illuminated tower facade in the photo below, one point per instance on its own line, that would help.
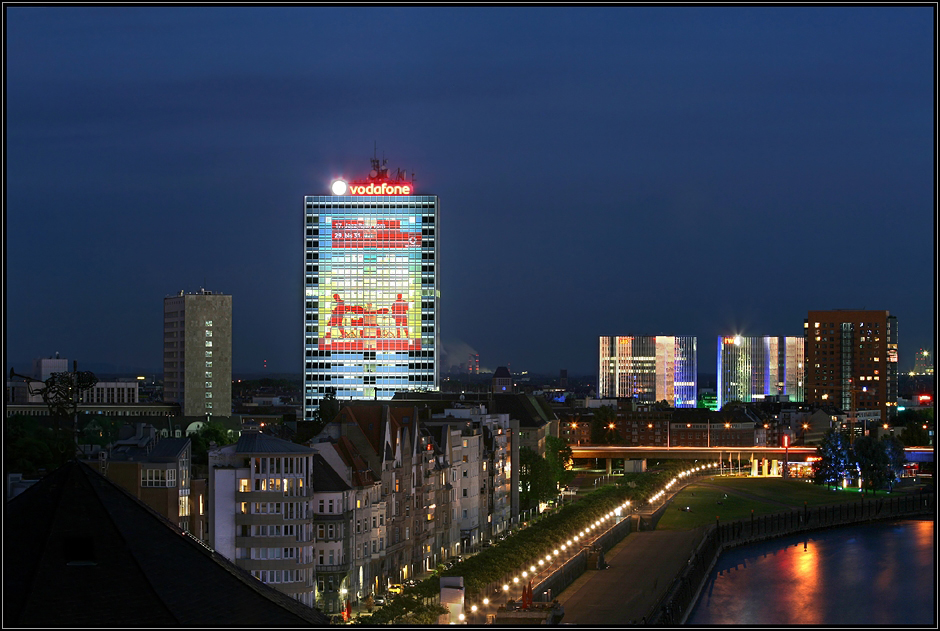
(371, 290)
(649, 368)
(852, 354)
(752, 368)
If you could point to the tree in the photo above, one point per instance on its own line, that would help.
(210, 432)
(558, 456)
(833, 463)
(872, 461)
(914, 435)
(603, 416)
(535, 479)
(894, 449)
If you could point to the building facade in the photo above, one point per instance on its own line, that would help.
(371, 290)
(649, 368)
(752, 368)
(260, 516)
(851, 359)
(197, 353)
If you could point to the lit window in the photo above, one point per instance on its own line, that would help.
(208, 373)
(208, 333)
(208, 343)
(208, 364)
(208, 395)
(208, 353)
(208, 322)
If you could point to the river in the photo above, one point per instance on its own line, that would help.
(870, 574)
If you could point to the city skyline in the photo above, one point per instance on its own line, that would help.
(601, 171)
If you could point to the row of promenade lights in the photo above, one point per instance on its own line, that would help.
(570, 545)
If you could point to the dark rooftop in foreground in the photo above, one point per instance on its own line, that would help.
(79, 551)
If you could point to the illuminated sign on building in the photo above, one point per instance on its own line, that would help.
(370, 290)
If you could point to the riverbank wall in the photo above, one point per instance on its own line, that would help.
(679, 601)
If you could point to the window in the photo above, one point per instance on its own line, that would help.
(465, 495)
(209, 384)
(321, 506)
(208, 353)
(208, 333)
(208, 322)
(465, 513)
(208, 395)
(321, 532)
(331, 506)
(208, 343)
(208, 374)
(208, 365)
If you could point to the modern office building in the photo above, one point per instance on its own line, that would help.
(752, 368)
(197, 353)
(852, 360)
(371, 289)
(649, 368)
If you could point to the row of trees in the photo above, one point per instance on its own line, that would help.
(540, 477)
(878, 463)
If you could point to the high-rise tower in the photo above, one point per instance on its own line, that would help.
(371, 290)
(197, 353)
(649, 368)
(752, 368)
(852, 354)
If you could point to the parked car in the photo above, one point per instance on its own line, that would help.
(395, 588)
(410, 582)
(379, 599)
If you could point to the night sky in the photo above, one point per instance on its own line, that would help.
(602, 171)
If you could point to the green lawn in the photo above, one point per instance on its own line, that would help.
(793, 492)
(705, 507)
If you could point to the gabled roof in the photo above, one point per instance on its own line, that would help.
(325, 478)
(362, 475)
(86, 553)
(521, 407)
(168, 449)
(257, 443)
(502, 373)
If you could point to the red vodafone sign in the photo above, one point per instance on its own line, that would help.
(339, 187)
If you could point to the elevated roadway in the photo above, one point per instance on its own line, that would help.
(722, 453)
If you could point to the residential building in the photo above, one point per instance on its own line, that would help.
(345, 459)
(259, 511)
(158, 471)
(371, 290)
(852, 360)
(649, 368)
(753, 368)
(333, 515)
(197, 353)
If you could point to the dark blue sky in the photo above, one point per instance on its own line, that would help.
(602, 171)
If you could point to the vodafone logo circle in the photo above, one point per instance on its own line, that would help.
(338, 187)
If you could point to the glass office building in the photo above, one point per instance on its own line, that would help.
(371, 290)
(649, 368)
(753, 368)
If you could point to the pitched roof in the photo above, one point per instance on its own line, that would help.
(325, 478)
(362, 475)
(258, 443)
(112, 561)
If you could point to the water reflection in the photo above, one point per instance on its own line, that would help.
(868, 574)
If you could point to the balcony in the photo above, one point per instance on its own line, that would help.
(326, 569)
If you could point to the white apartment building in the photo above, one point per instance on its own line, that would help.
(259, 511)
